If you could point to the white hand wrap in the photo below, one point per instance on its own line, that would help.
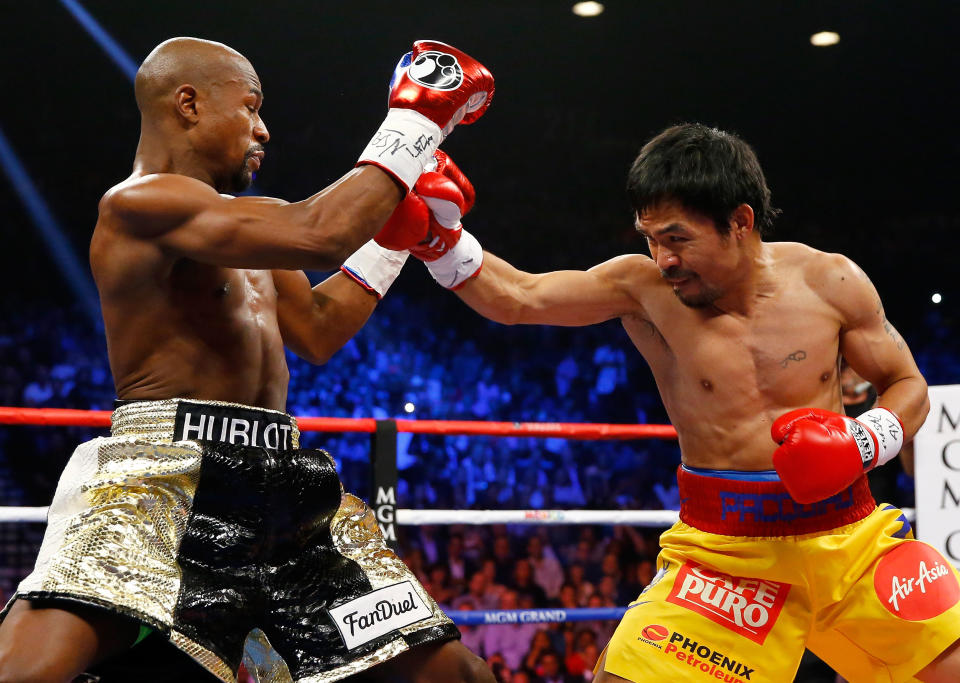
(888, 431)
(405, 141)
(459, 264)
(374, 267)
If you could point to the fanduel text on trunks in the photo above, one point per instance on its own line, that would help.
(914, 582)
(228, 424)
(377, 613)
(748, 607)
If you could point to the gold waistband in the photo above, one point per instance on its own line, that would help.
(154, 420)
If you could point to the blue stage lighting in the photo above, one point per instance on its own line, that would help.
(76, 275)
(103, 39)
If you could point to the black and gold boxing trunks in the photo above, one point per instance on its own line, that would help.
(206, 522)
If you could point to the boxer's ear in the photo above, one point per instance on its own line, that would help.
(741, 221)
(185, 100)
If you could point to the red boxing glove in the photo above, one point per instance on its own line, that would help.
(433, 88)
(442, 83)
(427, 223)
(449, 195)
(446, 167)
(408, 225)
(451, 254)
(822, 452)
(412, 225)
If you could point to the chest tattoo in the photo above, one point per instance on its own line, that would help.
(796, 356)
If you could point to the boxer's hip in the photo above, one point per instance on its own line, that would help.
(206, 522)
(756, 504)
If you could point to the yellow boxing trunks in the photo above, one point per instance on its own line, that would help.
(748, 577)
(207, 523)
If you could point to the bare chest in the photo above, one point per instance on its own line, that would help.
(224, 296)
(784, 354)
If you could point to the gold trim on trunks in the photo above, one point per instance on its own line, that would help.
(154, 420)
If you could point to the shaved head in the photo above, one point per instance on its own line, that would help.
(199, 107)
(200, 63)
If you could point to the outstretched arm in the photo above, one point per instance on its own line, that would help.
(187, 218)
(570, 298)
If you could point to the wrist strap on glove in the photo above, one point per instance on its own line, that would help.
(374, 267)
(888, 431)
(405, 141)
(462, 262)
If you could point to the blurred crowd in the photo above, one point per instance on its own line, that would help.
(403, 364)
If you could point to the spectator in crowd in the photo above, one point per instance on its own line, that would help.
(441, 588)
(567, 599)
(550, 669)
(524, 584)
(503, 558)
(499, 667)
(489, 568)
(511, 641)
(458, 567)
(547, 572)
(577, 577)
(539, 645)
(477, 594)
(471, 636)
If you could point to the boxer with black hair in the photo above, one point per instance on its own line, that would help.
(779, 543)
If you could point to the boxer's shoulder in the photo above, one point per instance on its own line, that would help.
(828, 275)
(629, 270)
(140, 201)
(629, 277)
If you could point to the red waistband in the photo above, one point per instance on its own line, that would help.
(735, 507)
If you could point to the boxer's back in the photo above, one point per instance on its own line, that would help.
(179, 327)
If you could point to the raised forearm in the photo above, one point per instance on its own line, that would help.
(907, 398)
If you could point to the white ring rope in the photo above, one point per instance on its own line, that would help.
(408, 517)
(651, 518)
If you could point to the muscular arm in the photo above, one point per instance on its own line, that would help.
(873, 347)
(187, 218)
(316, 322)
(570, 298)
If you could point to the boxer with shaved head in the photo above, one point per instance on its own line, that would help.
(198, 534)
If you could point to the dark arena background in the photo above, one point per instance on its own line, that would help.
(859, 142)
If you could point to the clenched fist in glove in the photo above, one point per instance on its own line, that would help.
(822, 452)
(426, 224)
(434, 87)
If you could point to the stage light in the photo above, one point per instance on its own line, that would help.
(408, 407)
(936, 298)
(825, 38)
(587, 9)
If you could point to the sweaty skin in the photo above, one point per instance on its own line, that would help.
(736, 331)
(199, 290)
(769, 324)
